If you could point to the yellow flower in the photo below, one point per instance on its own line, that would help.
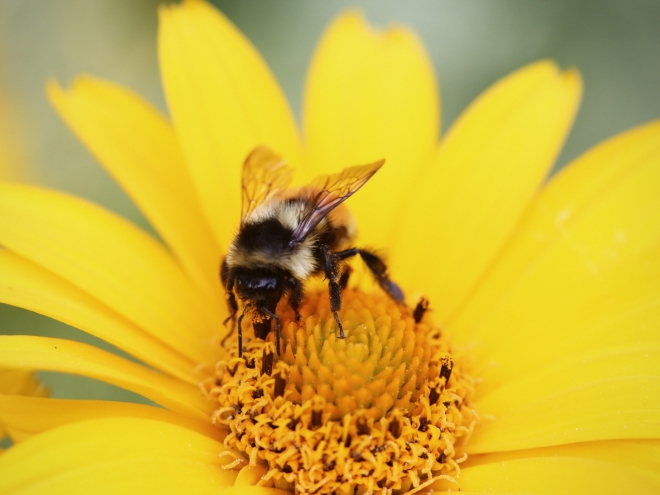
(547, 292)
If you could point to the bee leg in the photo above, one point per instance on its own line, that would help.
(240, 334)
(228, 283)
(233, 309)
(295, 295)
(277, 327)
(378, 268)
(331, 269)
(345, 275)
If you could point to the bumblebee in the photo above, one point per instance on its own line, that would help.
(289, 235)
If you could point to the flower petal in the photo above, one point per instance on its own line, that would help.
(30, 287)
(643, 454)
(487, 170)
(20, 382)
(112, 260)
(601, 396)
(28, 416)
(137, 146)
(582, 272)
(250, 475)
(371, 95)
(224, 102)
(554, 474)
(115, 455)
(65, 356)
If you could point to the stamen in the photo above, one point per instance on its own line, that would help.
(372, 413)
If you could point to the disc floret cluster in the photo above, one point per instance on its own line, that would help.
(387, 409)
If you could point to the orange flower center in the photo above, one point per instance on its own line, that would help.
(386, 408)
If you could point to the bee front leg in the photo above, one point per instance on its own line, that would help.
(233, 309)
(278, 329)
(228, 283)
(240, 334)
(332, 273)
(296, 294)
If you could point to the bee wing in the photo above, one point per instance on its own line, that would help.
(264, 174)
(332, 191)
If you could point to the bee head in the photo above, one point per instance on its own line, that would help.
(263, 287)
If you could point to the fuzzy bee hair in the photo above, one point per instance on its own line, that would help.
(287, 236)
(263, 240)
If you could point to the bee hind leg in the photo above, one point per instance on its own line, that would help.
(378, 269)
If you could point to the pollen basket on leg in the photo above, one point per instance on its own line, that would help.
(387, 409)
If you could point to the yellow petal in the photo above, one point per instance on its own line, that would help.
(479, 185)
(115, 455)
(582, 272)
(643, 454)
(603, 395)
(65, 356)
(371, 95)
(553, 475)
(28, 286)
(28, 416)
(112, 260)
(20, 382)
(253, 490)
(137, 146)
(250, 475)
(224, 102)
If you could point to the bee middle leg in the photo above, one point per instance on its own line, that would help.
(333, 274)
(296, 294)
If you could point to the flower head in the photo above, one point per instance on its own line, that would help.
(533, 369)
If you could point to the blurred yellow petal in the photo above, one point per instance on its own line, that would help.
(115, 455)
(583, 270)
(253, 490)
(224, 102)
(137, 146)
(112, 260)
(555, 475)
(595, 396)
(28, 286)
(371, 95)
(66, 356)
(14, 159)
(27, 416)
(250, 475)
(643, 454)
(479, 185)
(20, 382)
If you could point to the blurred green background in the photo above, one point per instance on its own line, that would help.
(472, 43)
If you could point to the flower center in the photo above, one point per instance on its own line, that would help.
(386, 408)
